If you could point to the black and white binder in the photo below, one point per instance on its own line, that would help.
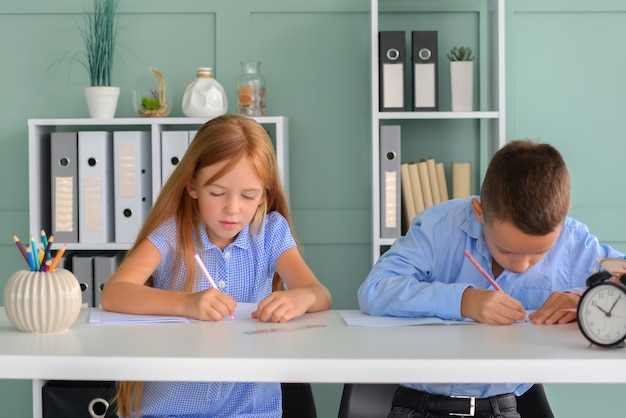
(64, 174)
(82, 268)
(425, 91)
(391, 69)
(390, 220)
(104, 265)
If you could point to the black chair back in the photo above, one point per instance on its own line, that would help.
(298, 401)
(366, 400)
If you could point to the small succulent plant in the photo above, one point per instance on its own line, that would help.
(461, 53)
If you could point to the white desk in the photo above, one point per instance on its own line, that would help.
(334, 353)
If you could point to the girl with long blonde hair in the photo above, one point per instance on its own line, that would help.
(225, 203)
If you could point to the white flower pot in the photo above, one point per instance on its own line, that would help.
(102, 101)
(462, 85)
(41, 301)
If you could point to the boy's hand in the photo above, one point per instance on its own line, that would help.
(491, 307)
(208, 305)
(554, 310)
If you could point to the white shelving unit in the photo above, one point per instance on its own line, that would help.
(492, 111)
(39, 158)
(39, 168)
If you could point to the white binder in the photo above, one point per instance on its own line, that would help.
(95, 194)
(192, 135)
(132, 182)
(173, 147)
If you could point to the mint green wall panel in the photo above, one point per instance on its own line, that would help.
(585, 401)
(329, 260)
(15, 398)
(446, 141)
(318, 79)
(564, 88)
(564, 73)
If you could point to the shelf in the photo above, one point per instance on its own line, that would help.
(435, 115)
(39, 160)
(487, 23)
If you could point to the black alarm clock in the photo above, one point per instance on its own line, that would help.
(601, 312)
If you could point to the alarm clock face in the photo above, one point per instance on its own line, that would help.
(602, 314)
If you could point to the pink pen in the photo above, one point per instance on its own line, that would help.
(207, 275)
(482, 270)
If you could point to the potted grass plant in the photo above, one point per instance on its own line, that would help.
(99, 35)
(461, 78)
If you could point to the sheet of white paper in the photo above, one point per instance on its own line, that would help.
(356, 318)
(359, 319)
(100, 316)
(242, 312)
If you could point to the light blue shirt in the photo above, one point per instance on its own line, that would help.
(244, 270)
(425, 273)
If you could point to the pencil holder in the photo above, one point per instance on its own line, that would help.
(42, 301)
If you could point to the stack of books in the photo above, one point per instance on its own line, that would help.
(424, 184)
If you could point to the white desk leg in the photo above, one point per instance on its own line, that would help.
(37, 404)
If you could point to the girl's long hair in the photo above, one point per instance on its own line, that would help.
(226, 138)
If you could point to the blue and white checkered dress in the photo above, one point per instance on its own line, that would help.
(244, 270)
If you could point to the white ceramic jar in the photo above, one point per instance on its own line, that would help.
(204, 96)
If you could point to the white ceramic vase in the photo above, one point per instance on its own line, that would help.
(462, 85)
(41, 301)
(102, 101)
(204, 97)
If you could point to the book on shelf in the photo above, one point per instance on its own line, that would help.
(441, 181)
(416, 186)
(432, 179)
(408, 204)
(422, 167)
(423, 184)
(461, 180)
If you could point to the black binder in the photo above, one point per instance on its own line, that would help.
(391, 70)
(425, 69)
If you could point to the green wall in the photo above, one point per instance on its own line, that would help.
(563, 86)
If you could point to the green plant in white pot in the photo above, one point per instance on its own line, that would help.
(99, 35)
(461, 78)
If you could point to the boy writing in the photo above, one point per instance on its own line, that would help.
(519, 231)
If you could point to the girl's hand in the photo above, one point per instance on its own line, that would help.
(208, 305)
(282, 306)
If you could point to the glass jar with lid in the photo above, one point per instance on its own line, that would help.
(251, 90)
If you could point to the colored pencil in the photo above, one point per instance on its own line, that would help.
(46, 255)
(33, 249)
(57, 257)
(44, 241)
(482, 270)
(31, 259)
(21, 248)
(207, 275)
